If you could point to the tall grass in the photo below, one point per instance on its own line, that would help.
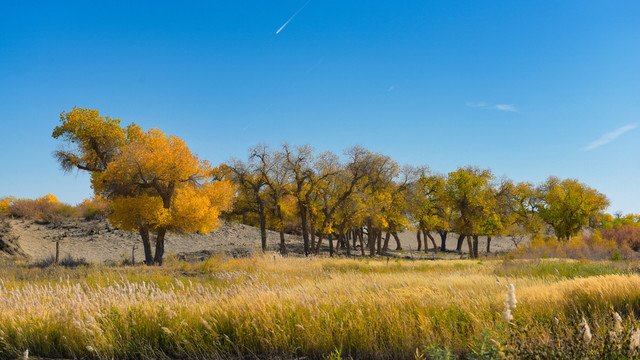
(270, 306)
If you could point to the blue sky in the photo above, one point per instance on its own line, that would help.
(526, 88)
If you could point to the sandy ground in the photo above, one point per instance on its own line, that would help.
(98, 242)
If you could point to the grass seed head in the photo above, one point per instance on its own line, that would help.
(509, 303)
(586, 330)
(617, 328)
(634, 341)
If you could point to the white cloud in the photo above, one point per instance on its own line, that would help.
(484, 105)
(505, 107)
(479, 104)
(609, 137)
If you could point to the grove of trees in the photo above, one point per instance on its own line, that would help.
(366, 198)
(154, 184)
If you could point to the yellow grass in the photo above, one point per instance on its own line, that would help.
(270, 306)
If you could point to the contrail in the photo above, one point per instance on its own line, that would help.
(609, 137)
(291, 18)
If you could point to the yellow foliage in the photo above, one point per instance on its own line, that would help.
(198, 208)
(570, 205)
(96, 138)
(156, 182)
(50, 198)
(130, 213)
(4, 206)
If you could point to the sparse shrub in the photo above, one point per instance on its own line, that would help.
(67, 261)
(433, 352)
(593, 246)
(93, 208)
(626, 235)
(616, 256)
(46, 209)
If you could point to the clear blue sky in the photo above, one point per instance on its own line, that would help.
(526, 88)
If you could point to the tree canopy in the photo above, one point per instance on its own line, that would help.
(153, 182)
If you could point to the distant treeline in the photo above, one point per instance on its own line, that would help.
(367, 198)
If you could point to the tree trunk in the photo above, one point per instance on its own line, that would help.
(283, 246)
(395, 236)
(330, 238)
(305, 233)
(475, 246)
(419, 240)
(460, 241)
(443, 240)
(146, 244)
(470, 244)
(424, 238)
(263, 227)
(379, 242)
(316, 248)
(361, 237)
(488, 244)
(159, 246)
(385, 247)
(372, 241)
(427, 234)
(346, 244)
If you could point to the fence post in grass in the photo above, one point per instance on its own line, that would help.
(57, 252)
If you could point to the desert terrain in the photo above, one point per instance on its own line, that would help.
(96, 241)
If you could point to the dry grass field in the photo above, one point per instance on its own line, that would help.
(270, 306)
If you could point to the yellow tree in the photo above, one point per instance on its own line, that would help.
(298, 164)
(152, 181)
(430, 208)
(376, 191)
(270, 167)
(157, 185)
(396, 210)
(568, 205)
(252, 188)
(526, 199)
(468, 190)
(335, 184)
(498, 214)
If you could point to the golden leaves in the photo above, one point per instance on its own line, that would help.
(152, 180)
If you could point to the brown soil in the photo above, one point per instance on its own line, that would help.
(9, 246)
(97, 241)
